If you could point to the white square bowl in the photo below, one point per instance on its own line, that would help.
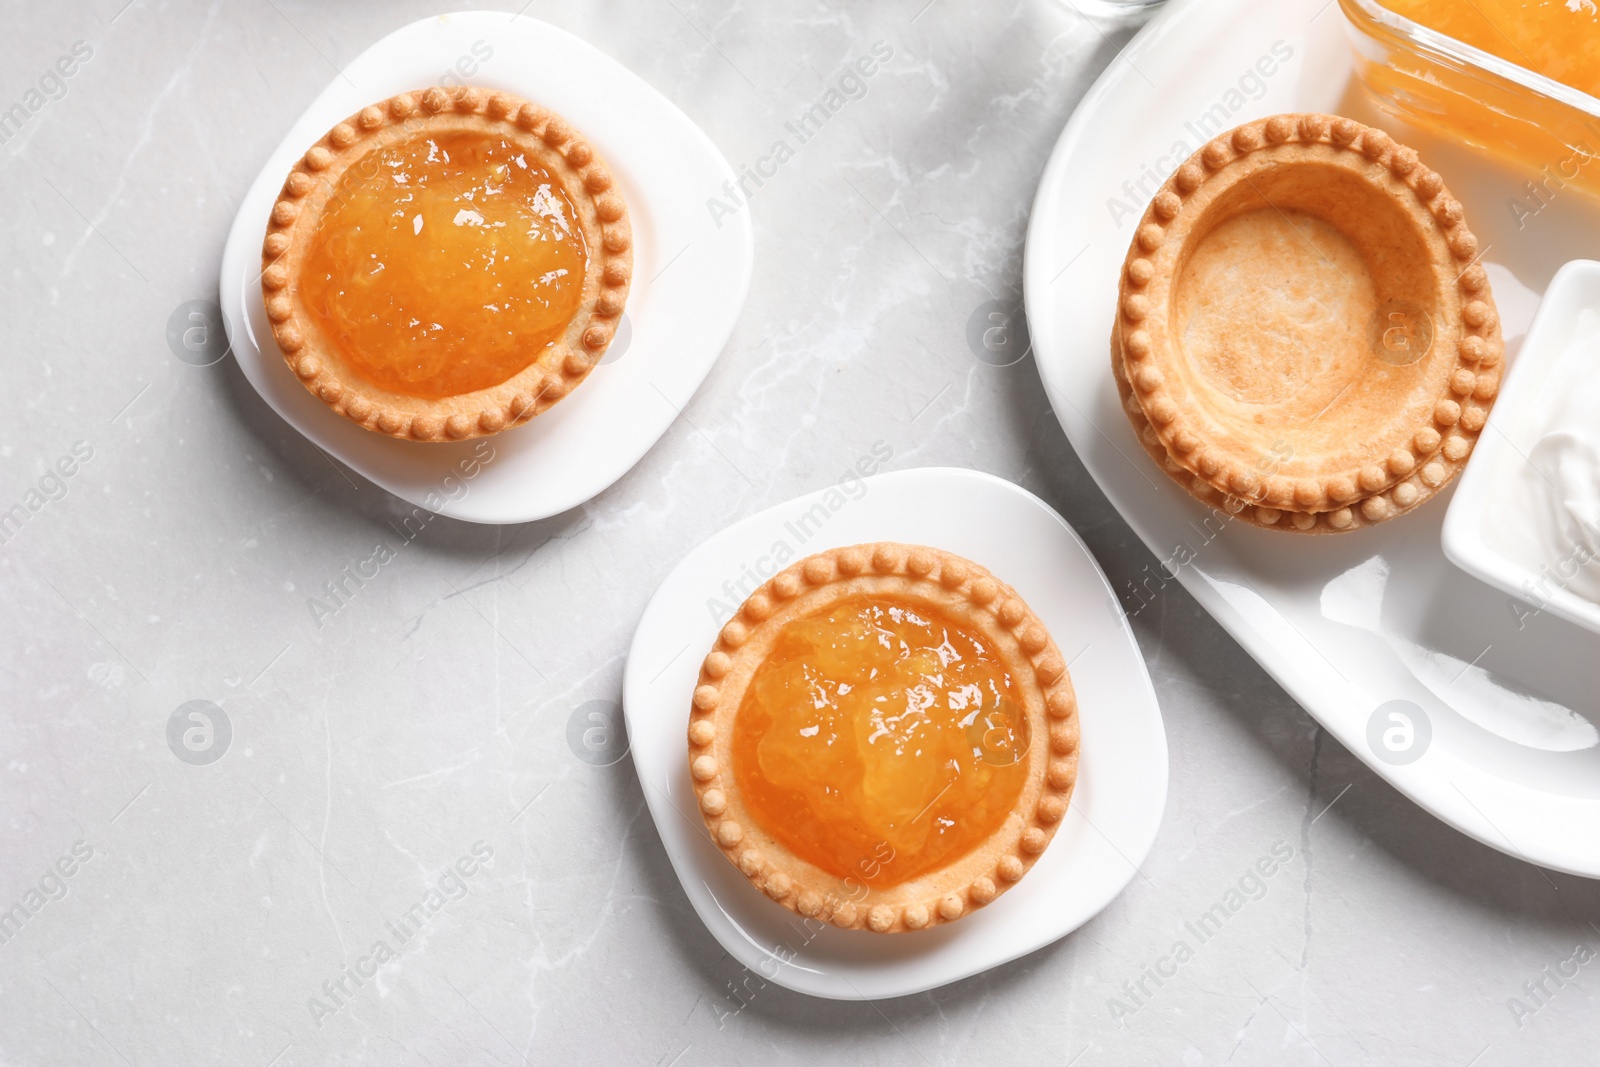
(1513, 429)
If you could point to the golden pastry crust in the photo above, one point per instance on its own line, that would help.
(599, 210)
(969, 595)
(1326, 429)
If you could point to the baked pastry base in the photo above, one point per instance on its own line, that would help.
(969, 596)
(1304, 336)
(600, 213)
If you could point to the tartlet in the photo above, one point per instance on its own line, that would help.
(884, 737)
(446, 263)
(1304, 335)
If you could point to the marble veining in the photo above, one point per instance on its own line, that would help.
(235, 829)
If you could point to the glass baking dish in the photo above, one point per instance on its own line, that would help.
(1435, 81)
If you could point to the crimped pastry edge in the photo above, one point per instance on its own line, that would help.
(601, 213)
(972, 596)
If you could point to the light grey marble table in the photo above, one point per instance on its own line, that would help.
(177, 912)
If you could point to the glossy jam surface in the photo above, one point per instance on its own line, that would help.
(445, 264)
(880, 741)
(1557, 38)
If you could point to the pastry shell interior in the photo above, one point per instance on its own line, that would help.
(1304, 335)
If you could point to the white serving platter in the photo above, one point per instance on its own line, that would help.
(1475, 524)
(691, 272)
(1482, 717)
(1122, 783)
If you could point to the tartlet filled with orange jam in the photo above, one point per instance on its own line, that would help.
(446, 264)
(883, 738)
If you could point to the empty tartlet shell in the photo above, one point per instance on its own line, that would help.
(600, 214)
(971, 597)
(1176, 433)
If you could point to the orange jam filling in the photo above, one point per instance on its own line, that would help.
(880, 741)
(445, 264)
(1557, 38)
